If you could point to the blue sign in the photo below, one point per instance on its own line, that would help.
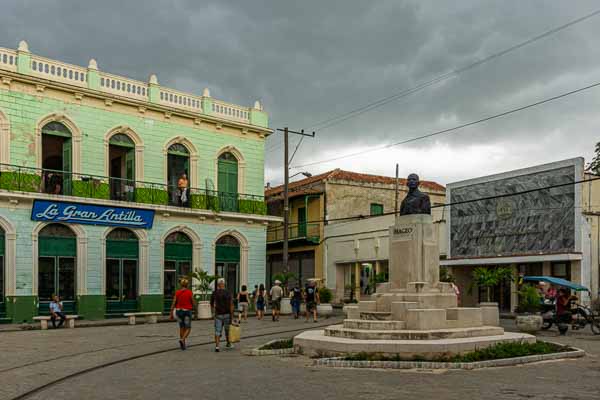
(76, 213)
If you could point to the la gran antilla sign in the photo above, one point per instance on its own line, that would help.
(77, 213)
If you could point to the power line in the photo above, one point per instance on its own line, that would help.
(466, 201)
(368, 107)
(502, 114)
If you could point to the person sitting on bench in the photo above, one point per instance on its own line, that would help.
(56, 311)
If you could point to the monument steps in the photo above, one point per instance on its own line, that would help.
(376, 315)
(340, 331)
(372, 324)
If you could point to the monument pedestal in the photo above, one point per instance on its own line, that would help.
(413, 314)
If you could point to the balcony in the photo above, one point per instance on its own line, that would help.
(16, 178)
(307, 231)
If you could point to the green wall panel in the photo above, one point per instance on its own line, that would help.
(91, 307)
(151, 302)
(21, 308)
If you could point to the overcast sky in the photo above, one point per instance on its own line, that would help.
(310, 60)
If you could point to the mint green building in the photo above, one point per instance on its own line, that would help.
(111, 188)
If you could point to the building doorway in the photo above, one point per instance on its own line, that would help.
(121, 159)
(227, 262)
(57, 158)
(177, 264)
(228, 182)
(178, 167)
(122, 257)
(2, 276)
(57, 256)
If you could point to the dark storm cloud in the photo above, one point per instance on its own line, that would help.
(310, 60)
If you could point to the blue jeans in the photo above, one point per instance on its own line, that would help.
(295, 306)
(222, 321)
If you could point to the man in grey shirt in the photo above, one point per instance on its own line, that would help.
(276, 296)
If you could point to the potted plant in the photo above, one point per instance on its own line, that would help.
(487, 278)
(284, 278)
(201, 283)
(324, 307)
(529, 319)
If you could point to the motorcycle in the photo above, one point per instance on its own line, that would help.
(581, 316)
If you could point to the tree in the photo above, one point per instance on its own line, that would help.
(594, 165)
(490, 277)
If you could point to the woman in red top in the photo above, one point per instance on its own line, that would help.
(183, 304)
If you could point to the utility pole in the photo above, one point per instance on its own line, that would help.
(286, 199)
(396, 197)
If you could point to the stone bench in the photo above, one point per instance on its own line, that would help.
(149, 317)
(70, 320)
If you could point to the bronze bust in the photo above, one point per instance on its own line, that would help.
(415, 202)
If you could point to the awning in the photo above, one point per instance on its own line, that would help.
(556, 281)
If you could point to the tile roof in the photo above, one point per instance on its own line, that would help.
(339, 174)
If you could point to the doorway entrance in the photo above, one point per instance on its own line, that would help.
(2, 276)
(121, 159)
(57, 157)
(122, 255)
(178, 175)
(178, 264)
(227, 262)
(228, 182)
(57, 255)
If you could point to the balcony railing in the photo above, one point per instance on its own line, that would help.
(308, 231)
(36, 180)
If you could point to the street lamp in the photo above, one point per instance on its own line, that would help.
(306, 174)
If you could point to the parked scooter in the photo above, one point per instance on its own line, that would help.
(580, 317)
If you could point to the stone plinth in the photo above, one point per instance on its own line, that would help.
(414, 254)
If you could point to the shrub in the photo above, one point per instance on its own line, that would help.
(151, 196)
(529, 300)
(279, 344)
(92, 188)
(325, 295)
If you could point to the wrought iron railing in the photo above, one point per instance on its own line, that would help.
(308, 231)
(57, 182)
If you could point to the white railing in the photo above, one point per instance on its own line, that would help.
(123, 87)
(231, 111)
(174, 98)
(58, 71)
(79, 76)
(8, 59)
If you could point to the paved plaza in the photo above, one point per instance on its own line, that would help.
(31, 359)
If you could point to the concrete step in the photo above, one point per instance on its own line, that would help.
(375, 315)
(340, 331)
(374, 325)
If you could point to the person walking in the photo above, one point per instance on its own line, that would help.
(56, 311)
(311, 297)
(563, 310)
(243, 301)
(259, 301)
(221, 303)
(183, 304)
(296, 300)
(276, 294)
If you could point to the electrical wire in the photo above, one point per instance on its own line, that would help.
(378, 103)
(455, 128)
(499, 196)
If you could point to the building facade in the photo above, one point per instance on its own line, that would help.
(111, 188)
(318, 206)
(550, 229)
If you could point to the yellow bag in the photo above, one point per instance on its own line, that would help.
(235, 333)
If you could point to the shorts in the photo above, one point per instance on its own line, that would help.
(276, 304)
(184, 317)
(222, 321)
(243, 307)
(260, 306)
(311, 306)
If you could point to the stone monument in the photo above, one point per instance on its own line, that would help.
(414, 314)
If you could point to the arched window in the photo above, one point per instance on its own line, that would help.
(122, 254)
(121, 169)
(57, 158)
(228, 182)
(57, 253)
(227, 262)
(177, 264)
(178, 174)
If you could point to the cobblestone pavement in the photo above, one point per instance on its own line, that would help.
(199, 373)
